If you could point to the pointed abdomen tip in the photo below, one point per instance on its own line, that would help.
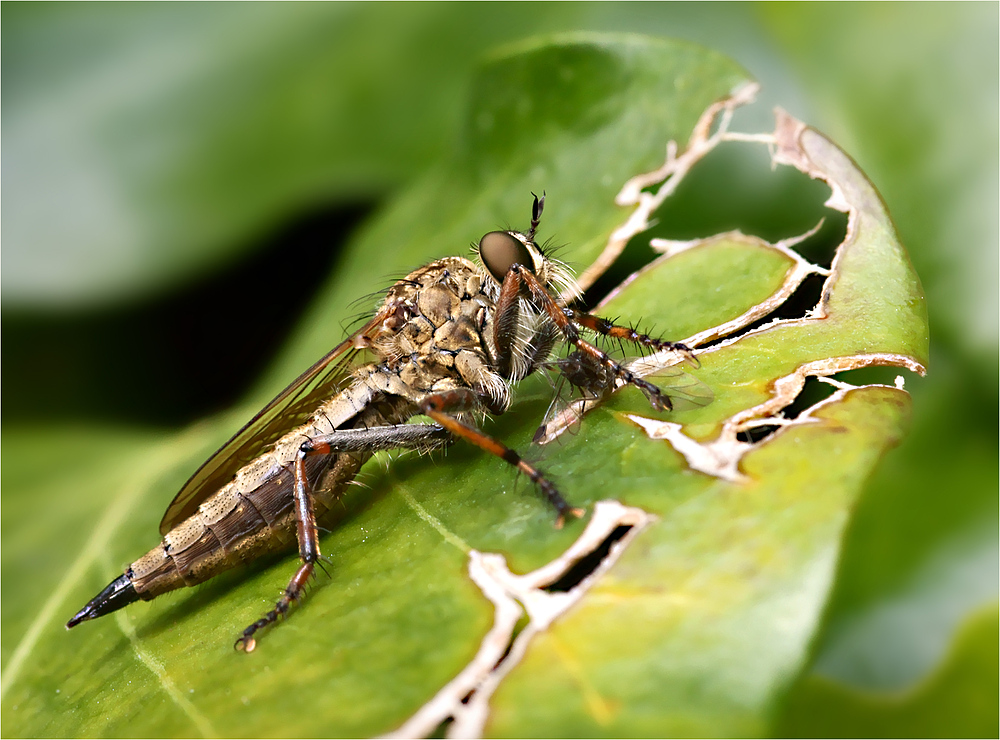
(120, 592)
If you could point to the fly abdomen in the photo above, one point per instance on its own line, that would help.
(228, 529)
(232, 517)
(188, 554)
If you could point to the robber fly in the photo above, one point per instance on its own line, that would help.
(447, 342)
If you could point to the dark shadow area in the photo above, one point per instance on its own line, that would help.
(523, 622)
(587, 565)
(734, 188)
(442, 729)
(821, 247)
(191, 600)
(814, 391)
(877, 375)
(753, 435)
(174, 357)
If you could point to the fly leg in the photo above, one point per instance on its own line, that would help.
(308, 538)
(628, 334)
(409, 436)
(519, 281)
(440, 407)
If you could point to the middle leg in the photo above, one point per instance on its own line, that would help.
(440, 407)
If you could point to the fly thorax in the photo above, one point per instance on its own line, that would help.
(438, 303)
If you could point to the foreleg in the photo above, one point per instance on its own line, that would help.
(628, 334)
(520, 278)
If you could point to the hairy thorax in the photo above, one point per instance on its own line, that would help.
(437, 335)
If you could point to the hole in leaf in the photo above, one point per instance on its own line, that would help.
(821, 247)
(442, 729)
(875, 375)
(814, 391)
(587, 565)
(753, 435)
(734, 188)
(518, 628)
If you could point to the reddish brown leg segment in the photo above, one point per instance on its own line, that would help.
(308, 538)
(411, 436)
(505, 319)
(562, 318)
(628, 334)
(437, 407)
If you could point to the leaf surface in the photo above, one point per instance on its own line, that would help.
(716, 600)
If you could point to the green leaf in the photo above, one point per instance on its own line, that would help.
(708, 611)
(701, 626)
(150, 143)
(921, 553)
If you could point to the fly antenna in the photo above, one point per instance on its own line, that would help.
(536, 214)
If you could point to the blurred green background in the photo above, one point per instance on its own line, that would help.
(178, 180)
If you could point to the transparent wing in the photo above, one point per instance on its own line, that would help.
(579, 384)
(287, 410)
(686, 391)
(584, 383)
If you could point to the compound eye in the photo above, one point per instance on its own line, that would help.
(499, 250)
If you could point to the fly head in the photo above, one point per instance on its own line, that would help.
(501, 250)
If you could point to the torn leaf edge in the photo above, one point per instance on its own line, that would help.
(465, 699)
(785, 149)
(671, 173)
(721, 457)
